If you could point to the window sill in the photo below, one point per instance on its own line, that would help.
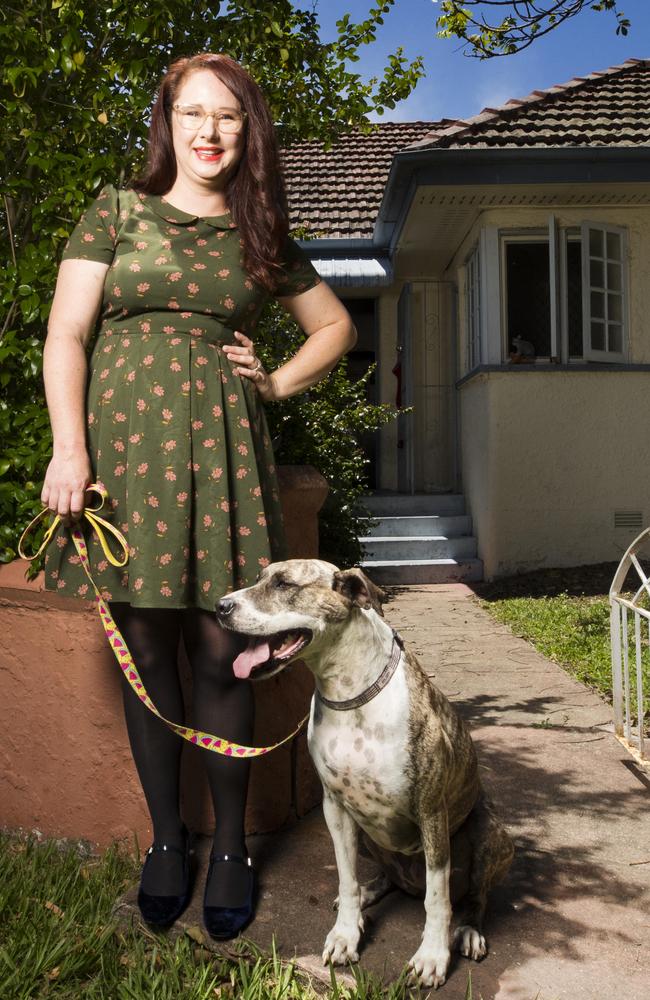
(535, 367)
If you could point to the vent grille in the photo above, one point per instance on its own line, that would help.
(628, 519)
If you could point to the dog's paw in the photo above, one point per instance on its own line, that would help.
(470, 943)
(428, 968)
(342, 943)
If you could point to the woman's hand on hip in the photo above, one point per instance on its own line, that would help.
(246, 364)
(64, 486)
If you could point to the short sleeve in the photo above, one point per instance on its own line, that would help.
(298, 272)
(93, 238)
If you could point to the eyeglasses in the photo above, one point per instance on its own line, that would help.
(193, 117)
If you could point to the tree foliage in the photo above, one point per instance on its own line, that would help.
(501, 27)
(77, 80)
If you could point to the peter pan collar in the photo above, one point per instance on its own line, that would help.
(178, 218)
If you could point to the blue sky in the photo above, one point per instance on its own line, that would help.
(456, 86)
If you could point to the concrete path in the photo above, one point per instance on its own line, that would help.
(572, 922)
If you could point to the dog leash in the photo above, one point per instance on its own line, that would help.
(204, 740)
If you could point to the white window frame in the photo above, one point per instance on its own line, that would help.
(473, 300)
(571, 234)
(589, 288)
(491, 351)
(492, 292)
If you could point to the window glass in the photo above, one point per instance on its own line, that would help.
(614, 246)
(597, 336)
(596, 243)
(528, 295)
(598, 305)
(614, 308)
(597, 272)
(614, 272)
(615, 337)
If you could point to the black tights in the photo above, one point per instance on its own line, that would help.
(221, 704)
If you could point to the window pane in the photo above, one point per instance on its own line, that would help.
(528, 295)
(597, 273)
(615, 308)
(614, 246)
(597, 336)
(596, 243)
(574, 297)
(615, 333)
(598, 305)
(614, 273)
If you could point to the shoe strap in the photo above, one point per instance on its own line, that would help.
(159, 849)
(231, 857)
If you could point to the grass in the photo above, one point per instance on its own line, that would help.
(565, 615)
(58, 940)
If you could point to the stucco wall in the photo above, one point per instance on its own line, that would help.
(65, 765)
(547, 457)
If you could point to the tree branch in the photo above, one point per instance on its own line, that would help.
(515, 24)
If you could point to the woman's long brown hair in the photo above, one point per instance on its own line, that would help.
(255, 195)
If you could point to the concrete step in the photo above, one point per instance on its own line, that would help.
(423, 571)
(403, 548)
(407, 504)
(452, 526)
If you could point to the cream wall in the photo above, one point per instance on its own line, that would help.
(635, 219)
(547, 457)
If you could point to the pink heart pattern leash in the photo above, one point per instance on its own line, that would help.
(204, 740)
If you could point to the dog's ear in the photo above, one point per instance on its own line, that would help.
(355, 585)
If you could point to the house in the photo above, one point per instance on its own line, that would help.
(451, 240)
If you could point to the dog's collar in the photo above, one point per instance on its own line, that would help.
(374, 689)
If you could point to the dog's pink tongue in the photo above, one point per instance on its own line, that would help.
(258, 651)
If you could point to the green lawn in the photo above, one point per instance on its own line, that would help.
(565, 615)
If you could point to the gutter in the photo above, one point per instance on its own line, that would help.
(414, 168)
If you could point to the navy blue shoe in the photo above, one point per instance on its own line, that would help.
(161, 911)
(225, 922)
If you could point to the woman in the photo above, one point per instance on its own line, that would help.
(173, 274)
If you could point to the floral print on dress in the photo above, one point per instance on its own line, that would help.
(180, 443)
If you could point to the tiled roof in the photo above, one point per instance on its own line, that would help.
(609, 108)
(337, 193)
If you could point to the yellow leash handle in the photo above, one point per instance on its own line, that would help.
(90, 513)
(205, 740)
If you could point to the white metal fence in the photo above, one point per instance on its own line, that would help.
(630, 639)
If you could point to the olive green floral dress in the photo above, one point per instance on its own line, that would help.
(179, 442)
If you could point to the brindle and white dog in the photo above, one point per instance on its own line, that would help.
(394, 757)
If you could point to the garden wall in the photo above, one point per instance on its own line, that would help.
(65, 764)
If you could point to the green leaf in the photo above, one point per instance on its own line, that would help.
(78, 93)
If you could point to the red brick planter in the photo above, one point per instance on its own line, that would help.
(65, 764)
